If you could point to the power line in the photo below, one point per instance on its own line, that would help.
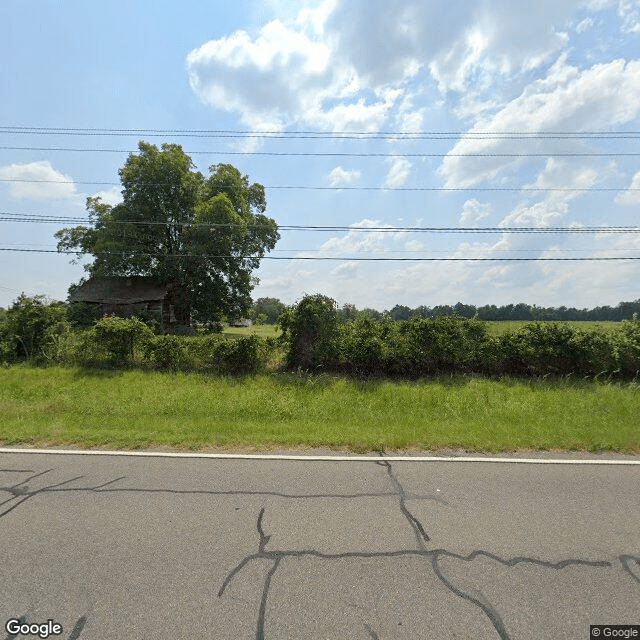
(37, 218)
(344, 188)
(337, 154)
(331, 258)
(306, 134)
(21, 245)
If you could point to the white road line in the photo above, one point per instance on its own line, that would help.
(325, 458)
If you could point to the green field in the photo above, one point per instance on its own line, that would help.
(137, 409)
(262, 330)
(497, 328)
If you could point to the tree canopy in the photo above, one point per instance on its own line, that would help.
(200, 235)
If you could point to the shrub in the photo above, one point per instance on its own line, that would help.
(445, 344)
(310, 333)
(28, 325)
(538, 349)
(238, 356)
(118, 337)
(627, 348)
(556, 349)
(83, 315)
(166, 352)
(362, 346)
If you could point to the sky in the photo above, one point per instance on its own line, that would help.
(471, 71)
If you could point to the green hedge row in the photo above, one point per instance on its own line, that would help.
(114, 341)
(315, 339)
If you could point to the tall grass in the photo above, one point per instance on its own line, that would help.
(137, 409)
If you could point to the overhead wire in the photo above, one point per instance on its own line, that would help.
(340, 154)
(53, 219)
(320, 135)
(325, 258)
(344, 188)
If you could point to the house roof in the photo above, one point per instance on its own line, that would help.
(119, 290)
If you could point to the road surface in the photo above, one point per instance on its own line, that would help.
(174, 548)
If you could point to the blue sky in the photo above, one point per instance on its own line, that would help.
(345, 65)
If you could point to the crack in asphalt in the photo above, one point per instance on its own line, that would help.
(434, 555)
(422, 538)
(624, 561)
(17, 490)
(479, 601)
(20, 492)
(13, 636)
(416, 525)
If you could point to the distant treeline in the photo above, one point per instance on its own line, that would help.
(520, 311)
(268, 310)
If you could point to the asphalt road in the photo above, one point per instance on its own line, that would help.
(145, 548)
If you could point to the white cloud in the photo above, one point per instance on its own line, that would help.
(348, 65)
(473, 211)
(37, 181)
(398, 173)
(631, 197)
(288, 73)
(629, 12)
(413, 245)
(584, 25)
(567, 99)
(386, 42)
(345, 270)
(111, 196)
(573, 180)
(341, 177)
(356, 241)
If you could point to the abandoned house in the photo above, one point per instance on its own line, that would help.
(126, 297)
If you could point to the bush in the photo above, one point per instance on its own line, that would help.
(310, 333)
(117, 337)
(627, 348)
(28, 325)
(166, 352)
(445, 344)
(362, 346)
(247, 354)
(83, 315)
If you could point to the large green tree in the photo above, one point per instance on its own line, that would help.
(200, 235)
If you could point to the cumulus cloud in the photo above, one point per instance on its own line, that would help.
(567, 99)
(632, 195)
(398, 173)
(384, 41)
(348, 65)
(111, 196)
(288, 73)
(629, 12)
(473, 211)
(340, 177)
(358, 241)
(584, 25)
(565, 182)
(37, 181)
(345, 270)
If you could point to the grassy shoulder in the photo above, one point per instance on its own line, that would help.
(137, 409)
